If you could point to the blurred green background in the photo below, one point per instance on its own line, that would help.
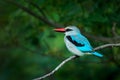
(29, 47)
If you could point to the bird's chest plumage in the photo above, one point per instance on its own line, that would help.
(71, 47)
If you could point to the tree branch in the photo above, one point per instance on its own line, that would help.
(114, 30)
(115, 39)
(99, 38)
(74, 57)
(37, 7)
(106, 45)
(49, 22)
(60, 65)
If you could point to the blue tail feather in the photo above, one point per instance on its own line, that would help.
(97, 54)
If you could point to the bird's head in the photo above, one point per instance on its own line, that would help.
(70, 30)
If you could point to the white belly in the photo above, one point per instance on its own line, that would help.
(72, 48)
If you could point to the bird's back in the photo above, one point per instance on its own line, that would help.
(77, 44)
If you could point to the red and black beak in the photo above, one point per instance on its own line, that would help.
(60, 29)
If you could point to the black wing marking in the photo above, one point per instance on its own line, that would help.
(74, 42)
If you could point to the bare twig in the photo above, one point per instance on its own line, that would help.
(106, 45)
(74, 57)
(60, 65)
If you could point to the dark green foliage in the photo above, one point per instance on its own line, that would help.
(29, 48)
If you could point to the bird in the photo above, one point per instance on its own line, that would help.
(77, 43)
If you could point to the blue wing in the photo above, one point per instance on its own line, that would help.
(82, 44)
(85, 45)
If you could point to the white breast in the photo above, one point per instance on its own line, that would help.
(72, 48)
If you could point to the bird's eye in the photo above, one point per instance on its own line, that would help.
(68, 29)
